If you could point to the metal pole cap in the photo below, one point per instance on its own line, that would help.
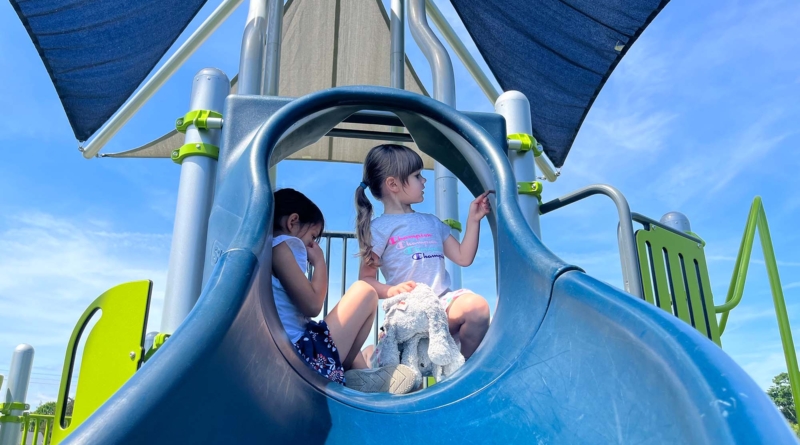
(677, 221)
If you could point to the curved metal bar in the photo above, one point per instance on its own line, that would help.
(444, 90)
(462, 52)
(444, 85)
(631, 274)
(251, 60)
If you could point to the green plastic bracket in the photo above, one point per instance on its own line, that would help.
(5, 412)
(530, 188)
(111, 354)
(6, 408)
(527, 142)
(196, 149)
(453, 224)
(159, 341)
(11, 419)
(198, 118)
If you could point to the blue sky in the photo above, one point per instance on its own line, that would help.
(700, 117)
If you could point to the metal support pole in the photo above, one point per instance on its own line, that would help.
(17, 391)
(254, 41)
(444, 90)
(514, 106)
(195, 196)
(397, 58)
(272, 51)
(462, 52)
(397, 64)
(223, 11)
(271, 68)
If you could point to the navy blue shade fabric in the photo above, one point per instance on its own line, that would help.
(98, 52)
(559, 53)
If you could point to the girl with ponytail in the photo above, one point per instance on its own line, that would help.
(411, 247)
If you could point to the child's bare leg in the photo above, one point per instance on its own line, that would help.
(355, 358)
(367, 354)
(362, 360)
(468, 317)
(351, 320)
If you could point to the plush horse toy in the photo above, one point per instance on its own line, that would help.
(416, 334)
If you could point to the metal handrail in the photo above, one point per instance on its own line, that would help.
(344, 236)
(631, 274)
(33, 422)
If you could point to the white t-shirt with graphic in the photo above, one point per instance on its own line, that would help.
(294, 322)
(411, 248)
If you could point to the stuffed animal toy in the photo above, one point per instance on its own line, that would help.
(415, 333)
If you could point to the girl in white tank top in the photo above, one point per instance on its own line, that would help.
(331, 347)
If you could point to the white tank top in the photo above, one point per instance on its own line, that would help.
(294, 322)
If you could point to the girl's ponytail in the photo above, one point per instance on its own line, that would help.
(364, 209)
(381, 162)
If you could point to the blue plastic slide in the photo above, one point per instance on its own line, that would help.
(567, 359)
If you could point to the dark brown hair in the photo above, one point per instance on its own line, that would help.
(383, 161)
(288, 201)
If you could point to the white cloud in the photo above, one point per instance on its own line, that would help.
(52, 268)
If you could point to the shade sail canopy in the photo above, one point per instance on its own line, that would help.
(559, 53)
(320, 51)
(97, 52)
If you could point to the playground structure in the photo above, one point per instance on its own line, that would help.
(591, 352)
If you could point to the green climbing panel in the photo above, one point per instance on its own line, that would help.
(112, 354)
(675, 278)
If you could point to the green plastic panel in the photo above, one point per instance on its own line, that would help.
(112, 353)
(675, 278)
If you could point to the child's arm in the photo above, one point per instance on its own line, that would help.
(308, 296)
(369, 274)
(464, 254)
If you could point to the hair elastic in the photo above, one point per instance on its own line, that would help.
(363, 185)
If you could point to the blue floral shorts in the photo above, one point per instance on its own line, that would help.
(317, 349)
